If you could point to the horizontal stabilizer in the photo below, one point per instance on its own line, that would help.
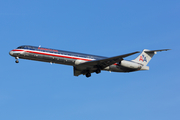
(146, 56)
(151, 51)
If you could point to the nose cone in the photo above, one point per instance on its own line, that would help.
(11, 53)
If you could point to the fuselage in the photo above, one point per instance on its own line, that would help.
(68, 58)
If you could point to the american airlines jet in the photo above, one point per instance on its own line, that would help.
(85, 63)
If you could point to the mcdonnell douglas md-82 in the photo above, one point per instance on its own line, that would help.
(85, 63)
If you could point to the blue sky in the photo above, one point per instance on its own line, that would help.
(36, 90)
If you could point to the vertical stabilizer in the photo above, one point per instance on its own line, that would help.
(146, 56)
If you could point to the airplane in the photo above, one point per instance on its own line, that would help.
(85, 63)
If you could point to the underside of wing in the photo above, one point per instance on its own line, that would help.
(95, 65)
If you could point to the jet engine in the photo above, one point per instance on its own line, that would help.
(130, 64)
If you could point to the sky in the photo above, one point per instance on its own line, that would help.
(41, 91)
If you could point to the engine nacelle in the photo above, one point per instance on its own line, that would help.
(77, 62)
(130, 64)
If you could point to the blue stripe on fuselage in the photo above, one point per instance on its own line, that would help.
(62, 52)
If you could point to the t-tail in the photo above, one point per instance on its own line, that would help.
(145, 57)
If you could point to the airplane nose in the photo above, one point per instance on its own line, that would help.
(11, 53)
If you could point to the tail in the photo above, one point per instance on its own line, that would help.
(146, 56)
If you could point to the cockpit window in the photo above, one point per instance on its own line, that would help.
(20, 47)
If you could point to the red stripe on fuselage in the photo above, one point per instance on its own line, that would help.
(51, 54)
(55, 55)
(17, 50)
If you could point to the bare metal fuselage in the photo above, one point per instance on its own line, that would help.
(69, 58)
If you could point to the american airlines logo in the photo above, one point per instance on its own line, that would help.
(142, 58)
(47, 49)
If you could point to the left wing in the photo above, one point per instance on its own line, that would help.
(98, 64)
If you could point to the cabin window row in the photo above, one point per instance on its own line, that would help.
(62, 53)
